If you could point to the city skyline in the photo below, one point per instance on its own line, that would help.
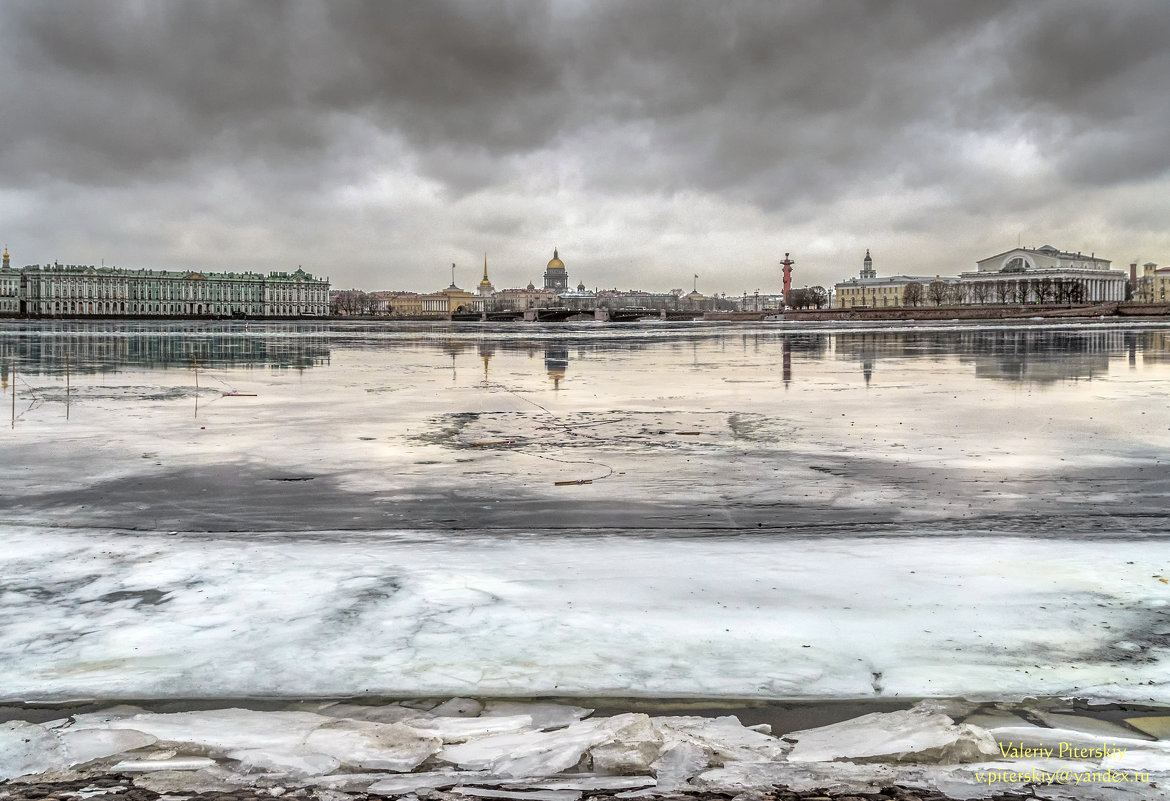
(649, 142)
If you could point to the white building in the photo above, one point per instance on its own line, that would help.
(1048, 271)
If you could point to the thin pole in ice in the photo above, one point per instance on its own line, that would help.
(66, 386)
(13, 371)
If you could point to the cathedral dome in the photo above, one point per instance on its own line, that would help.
(555, 262)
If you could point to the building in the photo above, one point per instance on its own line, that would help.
(581, 299)
(556, 277)
(9, 288)
(451, 300)
(522, 299)
(1152, 285)
(868, 291)
(1043, 275)
(71, 290)
(1020, 275)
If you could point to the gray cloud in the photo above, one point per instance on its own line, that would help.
(379, 139)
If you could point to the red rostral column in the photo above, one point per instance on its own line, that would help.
(787, 265)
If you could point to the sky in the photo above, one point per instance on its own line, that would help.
(379, 142)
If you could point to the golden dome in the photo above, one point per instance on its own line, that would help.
(555, 262)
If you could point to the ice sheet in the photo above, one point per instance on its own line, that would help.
(415, 613)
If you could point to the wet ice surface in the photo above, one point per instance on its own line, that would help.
(823, 513)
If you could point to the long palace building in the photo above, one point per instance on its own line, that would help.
(70, 290)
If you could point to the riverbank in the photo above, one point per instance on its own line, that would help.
(984, 312)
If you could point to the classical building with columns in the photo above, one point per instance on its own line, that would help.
(1042, 274)
(1020, 275)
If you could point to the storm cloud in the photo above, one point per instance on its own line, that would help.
(377, 142)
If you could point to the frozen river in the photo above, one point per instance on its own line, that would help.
(214, 510)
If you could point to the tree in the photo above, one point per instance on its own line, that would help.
(912, 294)
(937, 292)
(1043, 289)
(957, 294)
(1021, 288)
(818, 296)
(796, 298)
(980, 291)
(1003, 291)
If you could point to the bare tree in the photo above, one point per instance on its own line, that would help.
(912, 294)
(796, 298)
(957, 294)
(1021, 290)
(979, 291)
(1044, 289)
(1003, 291)
(818, 296)
(937, 292)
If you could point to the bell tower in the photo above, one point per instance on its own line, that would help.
(867, 270)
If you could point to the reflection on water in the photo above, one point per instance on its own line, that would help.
(1021, 355)
(46, 349)
(1014, 354)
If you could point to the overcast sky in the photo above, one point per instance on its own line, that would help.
(378, 142)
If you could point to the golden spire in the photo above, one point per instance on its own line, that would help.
(485, 267)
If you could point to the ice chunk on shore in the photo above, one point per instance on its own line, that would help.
(221, 730)
(587, 782)
(535, 753)
(636, 744)
(429, 780)
(725, 737)
(153, 765)
(837, 777)
(27, 748)
(458, 708)
(294, 765)
(910, 735)
(373, 746)
(214, 779)
(457, 730)
(533, 795)
(544, 716)
(85, 745)
(679, 763)
(386, 713)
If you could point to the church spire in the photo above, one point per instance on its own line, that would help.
(485, 267)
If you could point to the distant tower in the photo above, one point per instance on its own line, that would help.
(867, 270)
(6, 264)
(556, 277)
(485, 286)
(787, 265)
